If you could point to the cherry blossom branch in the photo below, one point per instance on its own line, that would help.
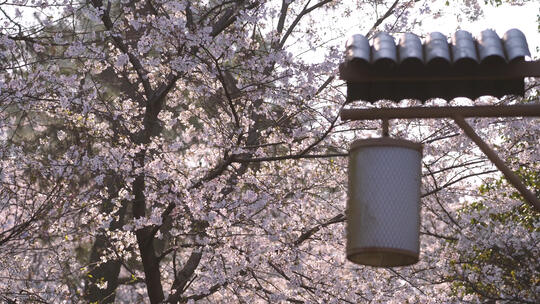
(437, 189)
(439, 236)
(405, 279)
(98, 4)
(41, 210)
(222, 80)
(184, 275)
(130, 281)
(310, 232)
(326, 133)
(432, 175)
(229, 17)
(433, 172)
(304, 12)
(285, 157)
(383, 17)
(211, 291)
(282, 16)
(304, 286)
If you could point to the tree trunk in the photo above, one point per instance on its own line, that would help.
(150, 262)
(109, 271)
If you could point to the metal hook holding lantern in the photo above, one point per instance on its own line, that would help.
(385, 127)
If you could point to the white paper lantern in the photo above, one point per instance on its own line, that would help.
(383, 210)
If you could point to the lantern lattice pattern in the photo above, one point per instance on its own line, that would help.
(383, 215)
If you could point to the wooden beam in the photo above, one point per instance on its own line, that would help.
(360, 72)
(528, 195)
(525, 110)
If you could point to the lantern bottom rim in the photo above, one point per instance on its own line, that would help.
(382, 256)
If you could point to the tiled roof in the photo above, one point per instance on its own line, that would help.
(438, 67)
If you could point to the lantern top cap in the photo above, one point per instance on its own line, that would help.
(385, 142)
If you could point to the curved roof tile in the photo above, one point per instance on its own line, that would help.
(383, 50)
(463, 48)
(487, 46)
(515, 45)
(410, 49)
(459, 65)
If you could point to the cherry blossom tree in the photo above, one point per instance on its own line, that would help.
(179, 151)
